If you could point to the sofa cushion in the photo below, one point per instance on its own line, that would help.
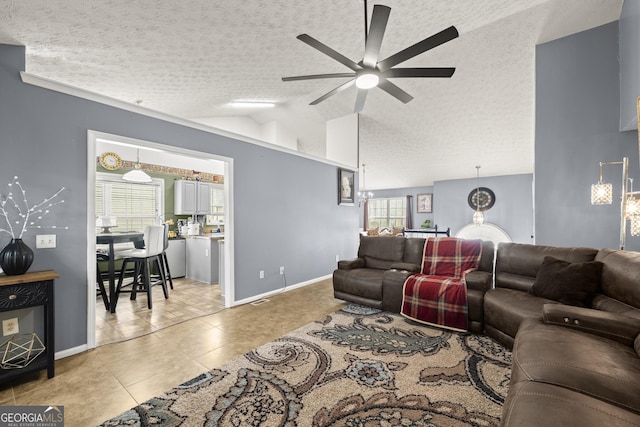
(366, 282)
(377, 263)
(536, 404)
(390, 249)
(414, 250)
(605, 303)
(583, 362)
(505, 309)
(620, 276)
(517, 264)
(566, 282)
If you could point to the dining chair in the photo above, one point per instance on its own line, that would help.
(101, 291)
(143, 259)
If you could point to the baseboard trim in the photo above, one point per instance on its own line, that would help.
(278, 291)
(71, 351)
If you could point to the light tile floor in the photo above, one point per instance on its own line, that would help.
(101, 383)
(189, 299)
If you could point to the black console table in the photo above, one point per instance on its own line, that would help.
(433, 231)
(31, 290)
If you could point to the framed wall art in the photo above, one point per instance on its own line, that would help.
(346, 190)
(425, 203)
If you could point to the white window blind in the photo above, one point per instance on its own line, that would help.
(135, 205)
(387, 212)
(217, 206)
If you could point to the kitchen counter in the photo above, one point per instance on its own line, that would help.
(203, 257)
(214, 236)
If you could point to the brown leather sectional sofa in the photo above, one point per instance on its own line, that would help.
(376, 277)
(573, 365)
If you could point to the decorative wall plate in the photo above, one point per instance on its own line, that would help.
(110, 161)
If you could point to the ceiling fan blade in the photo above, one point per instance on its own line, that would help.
(395, 91)
(333, 92)
(418, 48)
(306, 38)
(362, 96)
(318, 76)
(419, 72)
(378, 25)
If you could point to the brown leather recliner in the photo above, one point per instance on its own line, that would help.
(377, 276)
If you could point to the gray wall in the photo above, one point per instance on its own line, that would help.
(513, 210)
(577, 117)
(280, 218)
(629, 64)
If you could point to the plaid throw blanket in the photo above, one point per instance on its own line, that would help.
(438, 294)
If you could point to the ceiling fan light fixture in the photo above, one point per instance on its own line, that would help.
(367, 80)
(252, 104)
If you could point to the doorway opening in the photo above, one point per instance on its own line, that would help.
(177, 162)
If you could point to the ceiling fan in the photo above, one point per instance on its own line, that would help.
(370, 72)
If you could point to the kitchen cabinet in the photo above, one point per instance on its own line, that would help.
(177, 257)
(192, 197)
(202, 259)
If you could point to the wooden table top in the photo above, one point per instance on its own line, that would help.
(34, 276)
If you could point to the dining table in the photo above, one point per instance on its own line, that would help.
(111, 239)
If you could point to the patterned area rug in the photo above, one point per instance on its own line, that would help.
(357, 368)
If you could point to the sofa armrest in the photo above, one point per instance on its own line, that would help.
(350, 264)
(479, 280)
(406, 266)
(617, 327)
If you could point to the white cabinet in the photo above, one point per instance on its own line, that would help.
(202, 259)
(192, 197)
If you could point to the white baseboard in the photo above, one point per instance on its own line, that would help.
(71, 351)
(279, 291)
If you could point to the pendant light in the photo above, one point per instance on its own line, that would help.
(478, 217)
(363, 195)
(137, 174)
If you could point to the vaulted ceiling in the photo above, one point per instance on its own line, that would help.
(190, 59)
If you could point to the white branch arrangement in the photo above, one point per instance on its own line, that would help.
(27, 217)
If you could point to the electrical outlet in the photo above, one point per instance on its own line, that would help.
(337, 258)
(262, 274)
(10, 326)
(282, 270)
(45, 241)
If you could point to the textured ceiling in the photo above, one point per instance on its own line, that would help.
(191, 58)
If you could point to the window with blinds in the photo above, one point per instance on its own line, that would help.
(387, 212)
(217, 206)
(135, 205)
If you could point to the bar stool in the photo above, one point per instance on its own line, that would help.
(164, 260)
(143, 259)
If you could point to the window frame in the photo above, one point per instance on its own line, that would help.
(112, 178)
(388, 217)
